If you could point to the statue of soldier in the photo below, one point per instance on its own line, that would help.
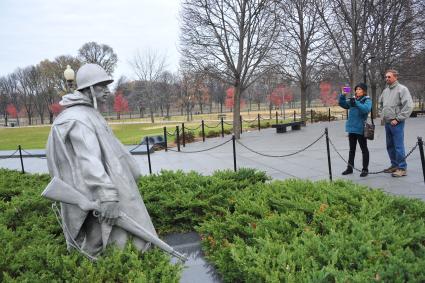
(83, 153)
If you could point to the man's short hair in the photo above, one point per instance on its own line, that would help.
(392, 71)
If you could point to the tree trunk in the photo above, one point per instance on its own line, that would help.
(237, 111)
(151, 113)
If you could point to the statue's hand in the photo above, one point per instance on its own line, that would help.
(109, 212)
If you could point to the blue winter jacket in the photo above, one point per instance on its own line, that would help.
(357, 114)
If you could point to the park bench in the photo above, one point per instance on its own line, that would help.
(281, 128)
(416, 112)
(219, 116)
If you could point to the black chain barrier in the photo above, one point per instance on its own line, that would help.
(266, 119)
(136, 147)
(202, 150)
(9, 156)
(171, 134)
(286, 155)
(219, 123)
(29, 154)
(226, 123)
(192, 129)
(250, 121)
(374, 172)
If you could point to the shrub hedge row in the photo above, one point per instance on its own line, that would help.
(253, 230)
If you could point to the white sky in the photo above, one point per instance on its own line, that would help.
(34, 30)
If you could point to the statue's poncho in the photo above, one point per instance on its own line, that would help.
(84, 153)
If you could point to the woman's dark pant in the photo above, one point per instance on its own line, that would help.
(353, 139)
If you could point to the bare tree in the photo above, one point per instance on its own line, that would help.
(392, 27)
(148, 68)
(231, 40)
(26, 90)
(347, 24)
(101, 54)
(303, 44)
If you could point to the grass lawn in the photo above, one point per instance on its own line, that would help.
(36, 137)
(128, 131)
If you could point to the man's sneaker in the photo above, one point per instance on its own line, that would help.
(399, 173)
(390, 169)
(347, 171)
(364, 173)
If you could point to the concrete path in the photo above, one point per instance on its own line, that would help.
(309, 164)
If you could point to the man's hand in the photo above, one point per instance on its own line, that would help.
(109, 212)
(394, 122)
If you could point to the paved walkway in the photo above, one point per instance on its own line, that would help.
(309, 164)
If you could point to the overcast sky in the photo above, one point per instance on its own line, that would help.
(34, 30)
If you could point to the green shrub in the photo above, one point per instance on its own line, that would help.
(33, 247)
(300, 231)
(212, 134)
(189, 136)
(322, 116)
(253, 230)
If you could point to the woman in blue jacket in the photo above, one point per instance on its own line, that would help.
(359, 108)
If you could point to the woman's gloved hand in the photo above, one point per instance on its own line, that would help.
(109, 212)
(352, 101)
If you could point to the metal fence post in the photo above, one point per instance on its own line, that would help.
(277, 118)
(329, 114)
(234, 153)
(421, 152)
(22, 161)
(203, 130)
(240, 120)
(165, 138)
(222, 127)
(149, 155)
(259, 122)
(295, 115)
(178, 138)
(329, 154)
(183, 136)
(311, 116)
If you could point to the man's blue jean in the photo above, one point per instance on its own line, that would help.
(395, 144)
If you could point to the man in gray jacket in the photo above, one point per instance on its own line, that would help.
(395, 106)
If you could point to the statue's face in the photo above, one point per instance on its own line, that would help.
(101, 93)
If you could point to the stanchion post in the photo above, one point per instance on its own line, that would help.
(240, 122)
(295, 115)
(203, 130)
(178, 138)
(22, 161)
(277, 118)
(165, 138)
(183, 136)
(149, 155)
(259, 122)
(311, 116)
(329, 154)
(329, 114)
(222, 127)
(421, 152)
(234, 152)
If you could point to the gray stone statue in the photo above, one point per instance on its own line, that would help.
(94, 176)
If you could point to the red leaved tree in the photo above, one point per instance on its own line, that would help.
(277, 96)
(56, 108)
(230, 101)
(120, 104)
(11, 110)
(327, 96)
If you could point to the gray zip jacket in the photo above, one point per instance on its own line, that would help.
(395, 102)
